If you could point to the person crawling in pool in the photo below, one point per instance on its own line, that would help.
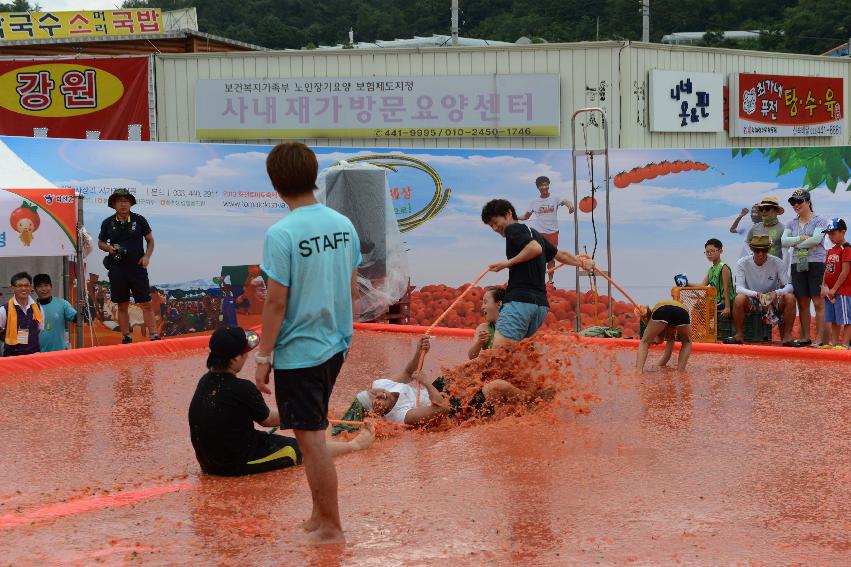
(667, 320)
(394, 398)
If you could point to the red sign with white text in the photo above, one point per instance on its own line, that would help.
(786, 105)
(72, 96)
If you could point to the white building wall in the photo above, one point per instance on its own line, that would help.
(583, 68)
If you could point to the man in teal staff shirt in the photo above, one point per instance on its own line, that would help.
(56, 311)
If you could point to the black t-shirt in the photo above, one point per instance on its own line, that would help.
(129, 234)
(221, 423)
(526, 280)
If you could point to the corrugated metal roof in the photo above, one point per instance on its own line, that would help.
(693, 37)
(176, 34)
(839, 51)
(416, 41)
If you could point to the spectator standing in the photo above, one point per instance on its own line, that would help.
(770, 225)
(56, 312)
(804, 236)
(837, 285)
(122, 236)
(742, 228)
(545, 207)
(21, 318)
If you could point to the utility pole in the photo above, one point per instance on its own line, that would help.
(645, 21)
(454, 22)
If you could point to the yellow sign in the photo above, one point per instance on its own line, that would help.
(81, 24)
(58, 90)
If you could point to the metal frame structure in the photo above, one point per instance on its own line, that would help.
(592, 152)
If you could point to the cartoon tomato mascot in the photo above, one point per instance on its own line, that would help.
(25, 220)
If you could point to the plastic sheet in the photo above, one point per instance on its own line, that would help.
(360, 192)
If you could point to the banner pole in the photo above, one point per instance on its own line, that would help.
(66, 293)
(81, 276)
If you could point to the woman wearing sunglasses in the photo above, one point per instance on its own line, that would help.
(804, 237)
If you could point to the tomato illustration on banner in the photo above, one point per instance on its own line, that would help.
(45, 221)
(25, 221)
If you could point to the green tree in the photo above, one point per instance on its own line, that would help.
(826, 166)
(19, 6)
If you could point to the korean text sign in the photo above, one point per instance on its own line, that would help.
(376, 107)
(785, 105)
(37, 222)
(683, 101)
(79, 24)
(71, 96)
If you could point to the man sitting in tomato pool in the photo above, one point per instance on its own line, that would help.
(395, 398)
(225, 408)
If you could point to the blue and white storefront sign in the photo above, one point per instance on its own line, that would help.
(684, 101)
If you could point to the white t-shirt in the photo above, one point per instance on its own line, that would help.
(546, 214)
(742, 230)
(406, 401)
(752, 279)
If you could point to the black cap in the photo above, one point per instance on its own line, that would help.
(229, 342)
(799, 195)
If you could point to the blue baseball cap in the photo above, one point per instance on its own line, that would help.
(836, 224)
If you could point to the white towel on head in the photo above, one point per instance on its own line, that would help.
(365, 400)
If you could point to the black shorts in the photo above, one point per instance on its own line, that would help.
(478, 405)
(127, 279)
(302, 394)
(273, 452)
(808, 284)
(672, 315)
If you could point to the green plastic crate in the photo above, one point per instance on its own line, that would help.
(754, 331)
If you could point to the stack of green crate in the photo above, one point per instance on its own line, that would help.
(755, 331)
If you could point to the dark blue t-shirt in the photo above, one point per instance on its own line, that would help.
(129, 235)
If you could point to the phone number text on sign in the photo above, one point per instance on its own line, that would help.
(457, 132)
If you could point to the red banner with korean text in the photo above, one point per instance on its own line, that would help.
(70, 97)
(786, 105)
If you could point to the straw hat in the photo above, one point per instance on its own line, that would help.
(771, 201)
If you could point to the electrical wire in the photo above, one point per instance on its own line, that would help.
(438, 201)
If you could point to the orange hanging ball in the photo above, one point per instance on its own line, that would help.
(587, 204)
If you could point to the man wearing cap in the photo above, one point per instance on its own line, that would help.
(762, 286)
(804, 239)
(121, 236)
(225, 408)
(770, 210)
(56, 312)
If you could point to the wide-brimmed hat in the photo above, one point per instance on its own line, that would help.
(120, 193)
(760, 241)
(771, 201)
